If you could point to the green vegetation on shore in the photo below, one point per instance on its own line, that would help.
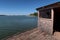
(34, 14)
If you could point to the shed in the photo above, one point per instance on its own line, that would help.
(49, 18)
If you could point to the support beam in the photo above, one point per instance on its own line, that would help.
(38, 18)
(52, 17)
(52, 14)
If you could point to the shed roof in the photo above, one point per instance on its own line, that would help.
(54, 5)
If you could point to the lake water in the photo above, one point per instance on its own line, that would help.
(12, 24)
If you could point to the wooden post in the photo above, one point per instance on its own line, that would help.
(39, 25)
(52, 14)
(38, 14)
(38, 19)
(52, 17)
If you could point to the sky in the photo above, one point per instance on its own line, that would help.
(22, 7)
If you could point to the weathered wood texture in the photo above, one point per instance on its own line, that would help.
(34, 34)
(54, 5)
(45, 25)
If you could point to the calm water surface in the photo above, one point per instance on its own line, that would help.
(12, 24)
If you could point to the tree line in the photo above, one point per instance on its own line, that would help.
(34, 14)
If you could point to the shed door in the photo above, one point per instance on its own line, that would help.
(56, 19)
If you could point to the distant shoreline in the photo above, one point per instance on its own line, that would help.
(31, 16)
